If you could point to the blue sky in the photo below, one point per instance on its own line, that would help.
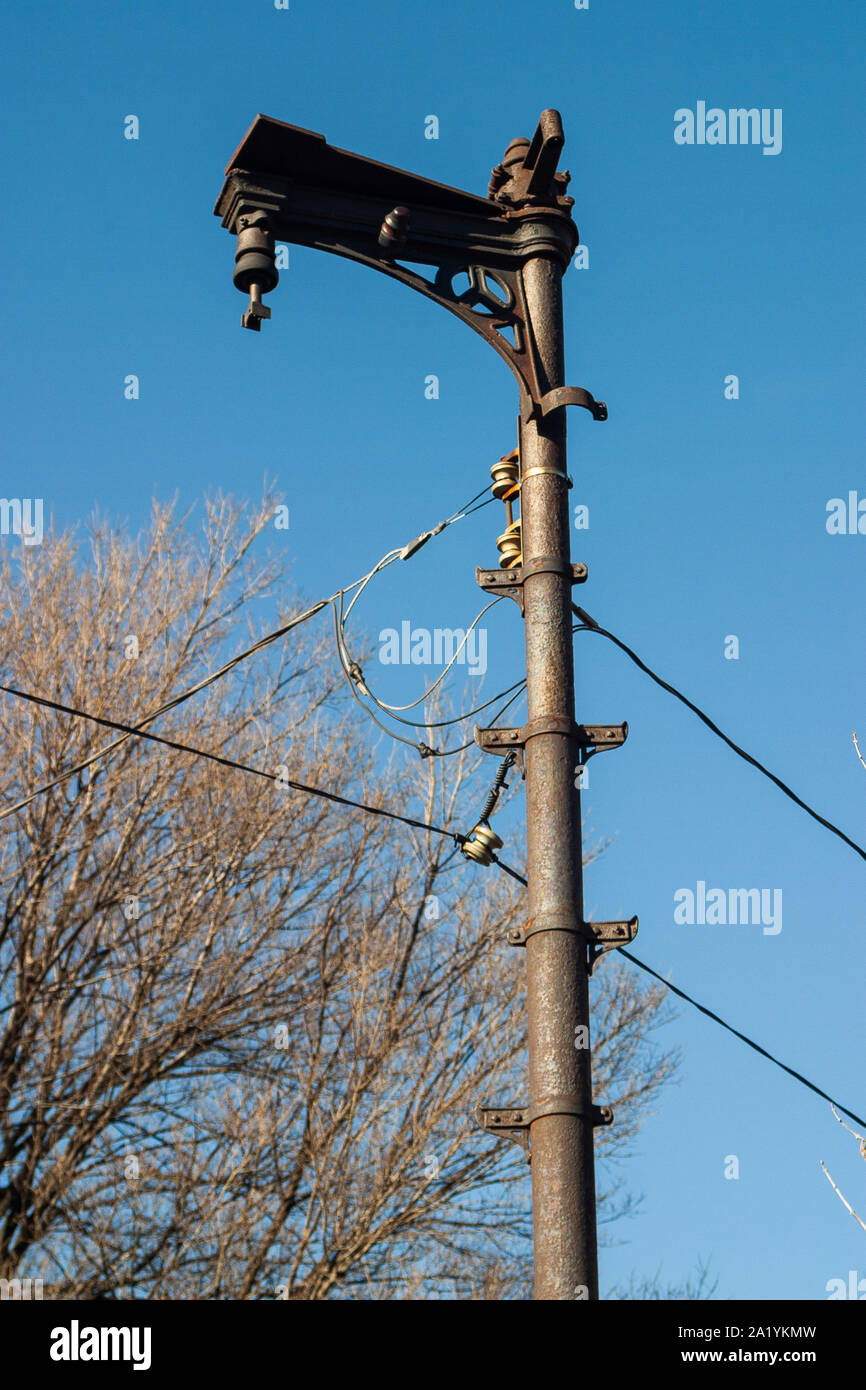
(707, 515)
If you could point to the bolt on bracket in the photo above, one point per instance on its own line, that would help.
(511, 581)
(600, 936)
(591, 738)
(501, 741)
(607, 936)
(597, 738)
(513, 1121)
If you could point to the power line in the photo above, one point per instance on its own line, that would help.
(383, 705)
(709, 1013)
(447, 752)
(411, 548)
(134, 732)
(589, 624)
(742, 1036)
(131, 731)
(357, 683)
(512, 872)
(168, 705)
(164, 708)
(420, 747)
(139, 732)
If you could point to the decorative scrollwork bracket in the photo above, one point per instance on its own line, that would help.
(464, 252)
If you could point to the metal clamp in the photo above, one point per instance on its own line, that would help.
(549, 724)
(551, 564)
(545, 921)
(591, 738)
(600, 936)
(513, 1121)
(511, 581)
(540, 472)
(569, 1105)
(569, 395)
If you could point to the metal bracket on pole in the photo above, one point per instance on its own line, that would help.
(597, 738)
(591, 738)
(500, 742)
(510, 581)
(513, 1121)
(570, 395)
(600, 936)
(475, 248)
(607, 936)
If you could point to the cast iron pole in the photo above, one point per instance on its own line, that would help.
(563, 1180)
(513, 246)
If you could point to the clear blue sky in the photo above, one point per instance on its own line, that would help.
(707, 516)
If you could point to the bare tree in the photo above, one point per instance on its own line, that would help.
(243, 1029)
(697, 1286)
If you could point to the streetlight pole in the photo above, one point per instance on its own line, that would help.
(513, 246)
(560, 1083)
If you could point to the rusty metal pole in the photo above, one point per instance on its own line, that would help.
(513, 245)
(563, 1179)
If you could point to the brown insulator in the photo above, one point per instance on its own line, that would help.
(510, 546)
(483, 844)
(506, 476)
